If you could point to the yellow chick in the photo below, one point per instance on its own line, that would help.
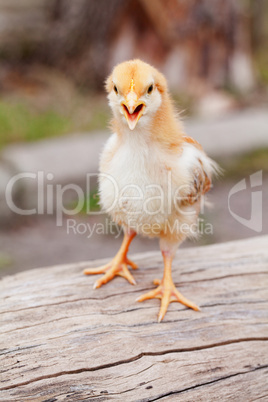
(152, 177)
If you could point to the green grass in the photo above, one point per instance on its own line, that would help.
(261, 64)
(184, 103)
(99, 120)
(19, 123)
(22, 122)
(246, 164)
(5, 260)
(91, 202)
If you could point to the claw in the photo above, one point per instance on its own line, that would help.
(146, 296)
(168, 293)
(94, 271)
(126, 274)
(114, 268)
(117, 267)
(132, 264)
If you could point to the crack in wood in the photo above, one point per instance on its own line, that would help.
(202, 384)
(101, 298)
(180, 283)
(78, 316)
(261, 397)
(18, 349)
(135, 358)
(186, 355)
(131, 310)
(236, 303)
(224, 277)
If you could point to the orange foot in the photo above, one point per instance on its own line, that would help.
(116, 267)
(167, 292)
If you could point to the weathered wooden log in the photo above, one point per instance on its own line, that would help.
(62, 340)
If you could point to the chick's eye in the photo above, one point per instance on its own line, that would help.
(150, 89)
(115, 89)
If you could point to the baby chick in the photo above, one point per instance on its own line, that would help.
(153, 177)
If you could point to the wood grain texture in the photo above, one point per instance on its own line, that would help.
(61, 340)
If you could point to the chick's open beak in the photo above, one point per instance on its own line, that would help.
(132, 109)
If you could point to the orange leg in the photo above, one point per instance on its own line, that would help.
(166, 291)
(118, 265)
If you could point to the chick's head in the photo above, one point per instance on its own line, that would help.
(135, 92)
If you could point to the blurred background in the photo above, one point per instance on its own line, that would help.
(54, 58)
